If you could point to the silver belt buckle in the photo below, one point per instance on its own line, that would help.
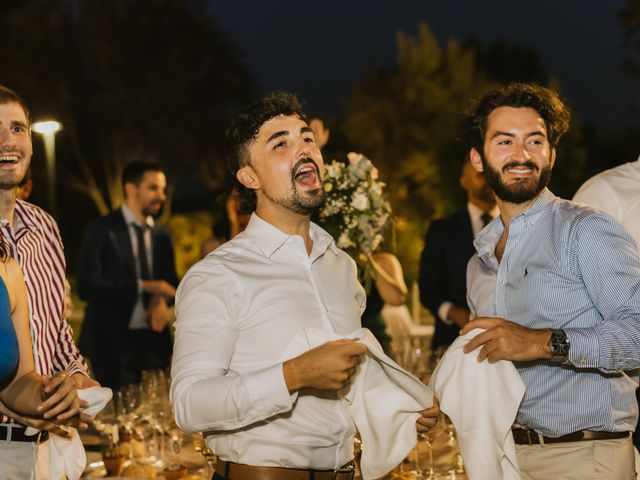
(348, 468)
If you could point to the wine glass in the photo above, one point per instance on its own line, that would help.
(457, 465)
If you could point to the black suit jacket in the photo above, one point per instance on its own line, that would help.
(107, 280)
(448, 247)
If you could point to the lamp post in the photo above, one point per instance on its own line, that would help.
(48, 131)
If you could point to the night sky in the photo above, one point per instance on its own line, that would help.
(318, 49)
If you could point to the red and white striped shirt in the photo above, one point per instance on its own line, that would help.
(35, 243)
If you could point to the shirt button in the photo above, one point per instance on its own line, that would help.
(583, 361)
(501, 281)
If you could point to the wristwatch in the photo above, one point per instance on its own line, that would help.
(559, 345)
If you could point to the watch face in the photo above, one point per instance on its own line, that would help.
(559, 344)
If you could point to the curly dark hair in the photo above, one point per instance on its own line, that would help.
(546, 102)
(244, 129)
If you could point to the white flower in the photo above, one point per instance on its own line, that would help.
(344, 241)
(354, 158)
(360, 201)
(377, 240)
(356, 211)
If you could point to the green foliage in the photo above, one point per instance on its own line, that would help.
(144, 79)
(407, 119)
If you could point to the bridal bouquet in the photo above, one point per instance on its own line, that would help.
(356, 210)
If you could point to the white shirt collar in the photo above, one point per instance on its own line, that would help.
(130, 217)
(269, 238)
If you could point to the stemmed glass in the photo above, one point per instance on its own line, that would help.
(428, 472)
(209, 456)
(457, 465)
(419, 364)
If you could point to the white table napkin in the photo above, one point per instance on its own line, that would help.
(384, 401)
(64, 458)
(482, 400)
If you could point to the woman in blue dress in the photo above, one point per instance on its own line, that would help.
(23, 390)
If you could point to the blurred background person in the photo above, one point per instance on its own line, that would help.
(389, 288)
(127, 274)
(232, 222)
(448, 246)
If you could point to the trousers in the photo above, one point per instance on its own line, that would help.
(586, 460)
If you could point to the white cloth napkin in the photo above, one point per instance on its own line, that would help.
(384, 401)
(64, 458)
(482, 400)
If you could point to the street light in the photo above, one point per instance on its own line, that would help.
(48, 131)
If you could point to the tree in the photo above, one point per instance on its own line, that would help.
(406, 120)
(150, 79)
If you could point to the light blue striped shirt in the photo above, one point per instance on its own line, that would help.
(571, 267)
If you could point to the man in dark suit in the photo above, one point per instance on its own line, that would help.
(126, 273)
(448, 247)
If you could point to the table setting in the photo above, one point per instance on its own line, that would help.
(135, 436)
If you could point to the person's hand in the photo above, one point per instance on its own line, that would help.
(458, 315)
(329, 366)
(428, 418)
(60, 397)
(60, 428)
(82, 382)
(159, 287)
(158, 313)
(505, 340)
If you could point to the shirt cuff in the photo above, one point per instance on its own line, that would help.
(268, 391)
(584, 347)
(76, 367)
(443, 311)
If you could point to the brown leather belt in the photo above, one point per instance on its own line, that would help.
(18, 435)
(238, 471)
(523, 436)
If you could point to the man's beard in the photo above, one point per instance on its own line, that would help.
(151, 210)
(521, 190)
(304, 202)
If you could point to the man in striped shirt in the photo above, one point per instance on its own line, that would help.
(34, 241)
(556, 286)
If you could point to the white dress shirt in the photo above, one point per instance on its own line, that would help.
(237, 311)
(617, 192)
(387, 428)
(137, 321)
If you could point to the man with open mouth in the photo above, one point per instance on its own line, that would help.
(239, 309)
